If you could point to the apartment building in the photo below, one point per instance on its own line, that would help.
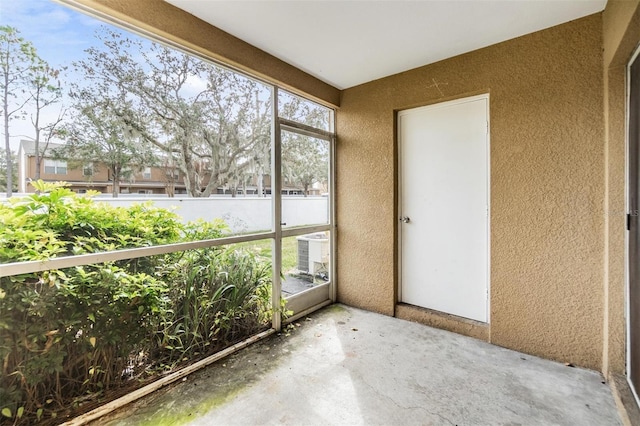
(93, 176)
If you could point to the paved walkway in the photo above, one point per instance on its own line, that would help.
(345, 366)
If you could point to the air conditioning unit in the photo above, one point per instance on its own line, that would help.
(313, 253)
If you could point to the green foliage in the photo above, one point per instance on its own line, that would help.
(69, 334)
(96, 135)
(216, 298)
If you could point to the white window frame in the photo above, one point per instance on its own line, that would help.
(58, 166)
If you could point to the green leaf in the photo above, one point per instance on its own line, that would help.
(20, 412)
(39, 413)
(6, 412)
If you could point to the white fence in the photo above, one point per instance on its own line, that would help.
(242, 214)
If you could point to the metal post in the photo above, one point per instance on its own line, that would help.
(276, 203)
(333, 289)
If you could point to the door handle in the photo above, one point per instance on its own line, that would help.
(405, 219)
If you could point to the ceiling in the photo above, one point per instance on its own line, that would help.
(346, 43)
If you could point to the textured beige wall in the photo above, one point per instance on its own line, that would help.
(547, 186)
(621, 35)
(162, 19)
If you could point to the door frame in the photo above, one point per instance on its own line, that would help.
(399, 200)
(312, 299)
(627, 204)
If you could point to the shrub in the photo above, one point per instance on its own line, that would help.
(216, 298)
(67, 335)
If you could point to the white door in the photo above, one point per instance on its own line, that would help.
(444, 205)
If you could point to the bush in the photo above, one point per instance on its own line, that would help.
(70, 335)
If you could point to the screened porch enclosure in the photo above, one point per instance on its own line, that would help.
(244, 260)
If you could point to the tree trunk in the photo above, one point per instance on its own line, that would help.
(116, 183)
(7, 145)
(36, 126)
(38, 166)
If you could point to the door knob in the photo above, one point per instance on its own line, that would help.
(405, 219)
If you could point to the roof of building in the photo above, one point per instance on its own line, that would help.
(29, 147)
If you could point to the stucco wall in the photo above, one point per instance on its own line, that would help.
(164, 20)
(547, 186)
(621, 36)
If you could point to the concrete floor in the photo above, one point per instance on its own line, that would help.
(345, 366)
(294, 284)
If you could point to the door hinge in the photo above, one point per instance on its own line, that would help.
(628, 221)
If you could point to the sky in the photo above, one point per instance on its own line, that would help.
(60, 35)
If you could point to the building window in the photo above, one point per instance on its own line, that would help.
(172, 174)
(87, 170)
(146, 174)
(55, 167)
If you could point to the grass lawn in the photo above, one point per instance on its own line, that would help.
(289, 251)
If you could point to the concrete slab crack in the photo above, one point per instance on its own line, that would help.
(397, 404)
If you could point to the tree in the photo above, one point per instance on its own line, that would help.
(17, 58)
(4, 170)
(303, 111)
(96, 136)
(209, 120)
(171, 175)
(240, 138)
(44, 91)
(305, 160)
